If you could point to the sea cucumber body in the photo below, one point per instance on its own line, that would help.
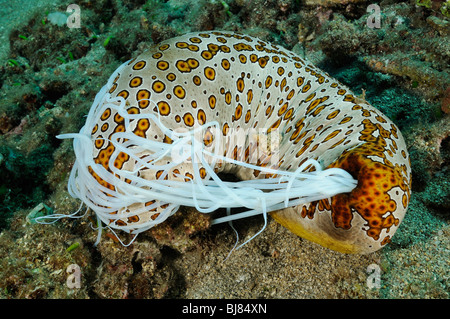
(247, 84)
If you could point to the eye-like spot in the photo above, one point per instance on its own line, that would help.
(311, 96)
(183, 66)
(110, 149)
(249, 96)
(263, 61)
(283, 84)
(157, 55)
(268, 81)
(238, 112)
(274, 126)
(213, 47)
(225, 129)
(179, 91)
(104, 127)
(332, 135)
(123, 156)
(119, 128)
(139, 65)
(164, 47)
(253, 58)
(366, 113)
(120, 223)
(193, 48)
(333, 114)
(210, 73)
(242, 58)
(212, 101)
(225, 64)
(282, 109)
(201, 117)
(280, 71)
(158, 86)
(259, 47)
(248, 116)
(113, 88)
(228, 98)
(106, 114)
(161, 175)
(143, 124)
(288, 114)
(99, 142)
(136, 81)
(349, 98)
(208, 137)
(181, 45)
(188, 119)
(195, 40)
(225, 49)
(124, 94)
(202, 172)
(164, 108)
(171, 77)
(290, 95)
(324, 98)
(207, 55)
(162, 65)
(197, 81)
(306, 87)
(143, 96)
(192, 63)
(240, 85)
(133, 219)
(189, 177)
(346, 120)
(133, 110)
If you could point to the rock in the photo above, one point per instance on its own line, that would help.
(440, 25)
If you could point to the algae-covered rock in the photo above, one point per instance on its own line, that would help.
(35, 261)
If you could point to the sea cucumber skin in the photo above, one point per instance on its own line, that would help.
(249, 84)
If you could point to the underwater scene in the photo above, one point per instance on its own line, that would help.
(224, 149)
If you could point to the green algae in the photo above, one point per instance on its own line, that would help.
(74, 246)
